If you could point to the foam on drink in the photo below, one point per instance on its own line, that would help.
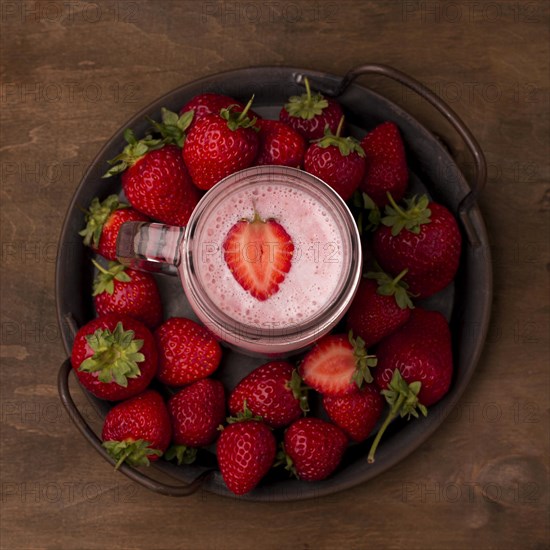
(318, 264)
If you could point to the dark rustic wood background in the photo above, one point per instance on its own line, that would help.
(74, 71)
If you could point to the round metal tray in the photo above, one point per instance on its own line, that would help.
(466, 303)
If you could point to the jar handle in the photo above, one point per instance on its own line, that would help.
(150, 246)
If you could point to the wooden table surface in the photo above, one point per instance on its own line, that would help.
(74, 72)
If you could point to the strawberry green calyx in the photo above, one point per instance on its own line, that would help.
(96, 216)
(368, 218)
(346, 145)
(282, 458)
(411, 218)
(173, 126)
(116, 355)
(363, 361)
(134, 452)
(299, 391)
(236, 120)
(256, 218)
(306, 106)
(105, 279)
(182, 454)
(393, 287)
(245, 414)
(134, 151)
(403, 401)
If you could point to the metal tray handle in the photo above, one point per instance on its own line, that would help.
(132, 473)
(480, 165)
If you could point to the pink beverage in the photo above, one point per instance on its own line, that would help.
(317, 289)
(317, 264)
(324, 273)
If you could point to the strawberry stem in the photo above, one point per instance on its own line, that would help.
(100, 268)
(340, 126)
(392, 287)
(400, 276)
(394, 411)
(308, 89)
(239, 120)
(244, 112)
(256, 218)
(395, 206)
(403, 400)
(306, 106)
(346, 145)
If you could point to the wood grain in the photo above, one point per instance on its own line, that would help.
(73, 72)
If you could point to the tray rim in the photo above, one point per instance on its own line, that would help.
(428, 425)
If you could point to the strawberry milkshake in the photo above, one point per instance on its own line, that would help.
(272, 260)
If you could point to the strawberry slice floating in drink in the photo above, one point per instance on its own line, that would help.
(259, 255)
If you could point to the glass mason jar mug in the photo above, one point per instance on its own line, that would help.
(313, 294)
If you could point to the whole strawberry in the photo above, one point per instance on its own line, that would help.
(209, 103)
(259, 273)
(356, 413)
(114, 357)
(272, 391)
(380, 307)
(246, 451)
(415, 368)
(423, 238)
(137, 431)
(127, 292)
(338, 161)
(337, 364)
(196, 411)
(313, 448)
(187, 352)
(219, 145)
(309, 114)
(103, 221)
(386, 164)
(421, 351)
(155, 179)
(279, 145)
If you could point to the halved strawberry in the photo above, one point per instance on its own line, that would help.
(259, 255)
(338, 364)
